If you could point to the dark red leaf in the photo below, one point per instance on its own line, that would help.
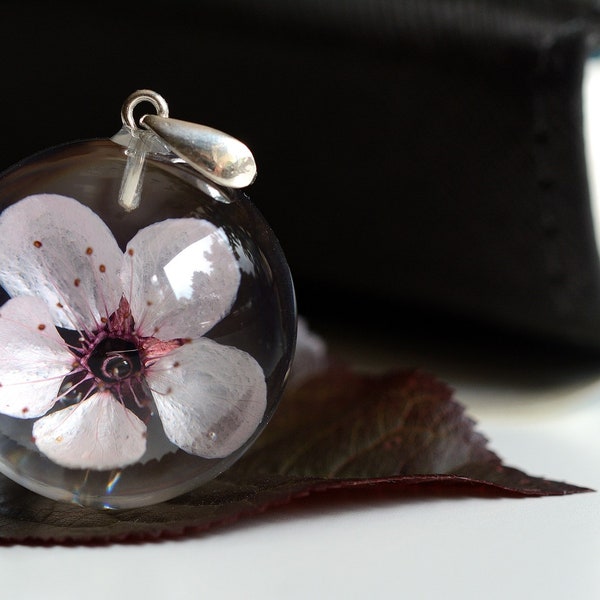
(341, 432)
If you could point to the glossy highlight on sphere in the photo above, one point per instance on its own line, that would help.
(141, 352)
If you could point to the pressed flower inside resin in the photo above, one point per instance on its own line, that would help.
(130, 373)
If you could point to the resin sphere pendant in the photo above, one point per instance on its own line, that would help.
(147, 314)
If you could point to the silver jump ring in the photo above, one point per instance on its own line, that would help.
(159, 103)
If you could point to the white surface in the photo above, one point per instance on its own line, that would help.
(405, 548)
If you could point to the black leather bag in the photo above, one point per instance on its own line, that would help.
(420, 156)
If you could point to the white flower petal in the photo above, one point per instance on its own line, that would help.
(181, 277)
(310, 356)
(57, 249)
(98, 433)
(210, 398)
(33, 358)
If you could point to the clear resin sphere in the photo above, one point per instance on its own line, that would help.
(142, 350)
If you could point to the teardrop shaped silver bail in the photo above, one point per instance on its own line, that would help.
(216, 155)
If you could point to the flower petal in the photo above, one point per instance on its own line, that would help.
(181, 278)
(33, 358)
(310, 356)
(98, 433)
(58, 249)
(210, 398)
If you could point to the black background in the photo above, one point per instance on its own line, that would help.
(421, 161)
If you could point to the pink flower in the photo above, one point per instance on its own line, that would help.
(94, 342)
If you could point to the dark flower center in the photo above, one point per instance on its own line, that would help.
(114, 359)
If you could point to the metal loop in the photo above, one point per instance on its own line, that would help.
(159, 103)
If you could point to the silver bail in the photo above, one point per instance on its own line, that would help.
(218, 156)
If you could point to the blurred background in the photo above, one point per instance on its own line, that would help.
(421, 161)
